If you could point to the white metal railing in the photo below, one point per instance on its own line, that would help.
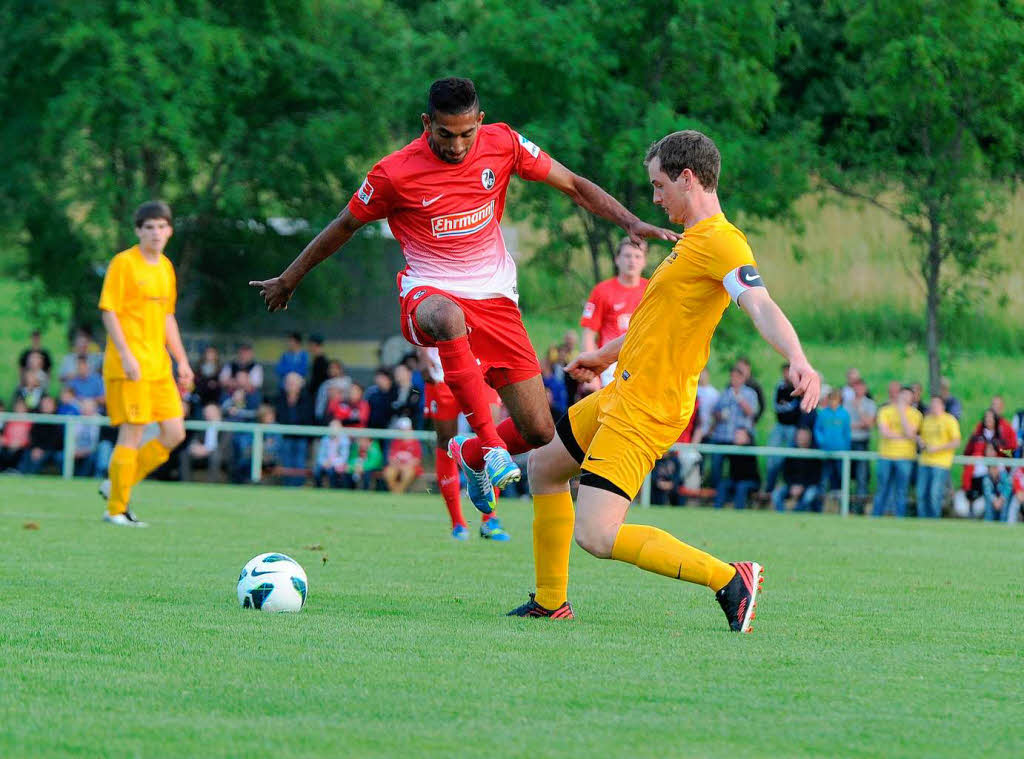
(258, 431)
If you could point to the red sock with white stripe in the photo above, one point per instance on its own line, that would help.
(462, 374)
(473, 449)
(448, 483)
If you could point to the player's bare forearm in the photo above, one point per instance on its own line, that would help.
(610, 350)
(277, 291)
(592, 198)
(172, 337)
(778, 332)
(113, 327)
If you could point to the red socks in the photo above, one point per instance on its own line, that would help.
(473, 449)
(448, 483)
(462, 374)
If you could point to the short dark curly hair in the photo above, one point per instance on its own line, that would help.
(452, 96)
(691, 150)
(154, 209)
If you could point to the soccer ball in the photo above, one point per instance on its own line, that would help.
(272, 582)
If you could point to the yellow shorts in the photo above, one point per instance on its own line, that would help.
(615, 440)
(142, 402)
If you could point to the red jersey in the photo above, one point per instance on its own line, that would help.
(446, 215)
(609, 307)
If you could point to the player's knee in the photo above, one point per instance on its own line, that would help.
(441, 319)
(595, 539)
(539, 433)
(174, 437)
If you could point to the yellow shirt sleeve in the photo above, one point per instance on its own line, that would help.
(728, 250)
(112, 295)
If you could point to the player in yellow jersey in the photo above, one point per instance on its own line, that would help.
(614, 436)
(137, 305)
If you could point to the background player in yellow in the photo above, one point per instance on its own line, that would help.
(615, 435)
(137, 304)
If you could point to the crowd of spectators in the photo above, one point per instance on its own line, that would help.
(915, 439)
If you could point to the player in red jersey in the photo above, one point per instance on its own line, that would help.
(443, 196)
(440, 406)
(611, 302)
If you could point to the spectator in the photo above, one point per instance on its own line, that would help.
(1005, 439)
(862, 411)
(15, 439)
(332, 456)
(953, 405)
(244, 362)
(86, 383)
(940, 436)
(850, 388)
(243, 407)
(665, 480)
(997, 489)
(35, 363)
(46, 362)
(801, 478)
(206, 452)
(405, 459)
(832, 430)
(993, 428)
(353, 411)
(748, 378)
(208, 377)
(81, 347)
(380, 399)
(408, 400)
(364, 463)
(46, 441)
(294, 359)
(336, 378)
(273, 442)
(918, 397)
(66, 404)
(707, 397)
(736, 408)
(783, 434)
(243, 404)
(87, 438)
(318, 366)
(558, 398)
(743, 475)
(974, 473)
(898, 426)
(294, 407)
(1013, 513)
(31, 389)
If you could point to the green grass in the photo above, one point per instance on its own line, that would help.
(874, 638)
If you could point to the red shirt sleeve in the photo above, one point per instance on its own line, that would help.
(593, 311)
(531, 163)
(375, 197)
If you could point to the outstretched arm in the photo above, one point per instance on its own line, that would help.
(589, 196)
(776, 329)
(277, 291)
(590, 364)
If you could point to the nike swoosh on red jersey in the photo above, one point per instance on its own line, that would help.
(426, 202)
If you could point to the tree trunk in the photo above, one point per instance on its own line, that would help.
(933, 266)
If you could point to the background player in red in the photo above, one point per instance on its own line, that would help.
(443, 196)
(611, 302)
(440, 406)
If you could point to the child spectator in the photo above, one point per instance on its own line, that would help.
(996, 488)
(36, 347)
(408, 398)
(332, 456)
(832, 429)
(86, 383)
(46, 441)
(87, 438)
(31, 389)
(940, 436)
(15, 439)
(405, 459)
(364, 463)
(67, 405)
(354, 411)
(208, 387)
(380, 399)
(743, 475)
(898, 426)
(336, 378)
(801, 477)
(665, 480)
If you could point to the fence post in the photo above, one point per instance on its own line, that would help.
(68, 463)
(256, 467)
(645, 492)
(844, 499)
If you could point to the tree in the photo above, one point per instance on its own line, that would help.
(918, 107)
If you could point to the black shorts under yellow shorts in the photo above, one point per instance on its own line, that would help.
(615, 441)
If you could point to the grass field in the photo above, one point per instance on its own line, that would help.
(873, 638)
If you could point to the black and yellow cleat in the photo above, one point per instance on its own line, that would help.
(533, 609)
(738, 598)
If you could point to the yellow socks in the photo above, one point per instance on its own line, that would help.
(656, 551)
(553, 517)
(151, 455)
(123, 463)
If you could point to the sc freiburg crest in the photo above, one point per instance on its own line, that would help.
(487, 179)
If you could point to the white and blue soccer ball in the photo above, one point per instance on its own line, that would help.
(272, 582)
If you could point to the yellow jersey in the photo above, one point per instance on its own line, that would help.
(141, 294)
(936, 430)
(903, 448)
(669, 337)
